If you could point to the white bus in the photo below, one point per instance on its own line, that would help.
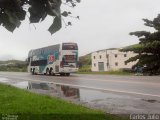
(55, 59)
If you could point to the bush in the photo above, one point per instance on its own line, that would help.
(85, 69)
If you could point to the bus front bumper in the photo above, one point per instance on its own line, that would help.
(69, 70)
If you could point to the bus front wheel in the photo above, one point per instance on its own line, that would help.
(67, 74)
(33, 71)
(51, 72)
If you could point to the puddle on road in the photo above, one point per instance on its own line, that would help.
(107, 101)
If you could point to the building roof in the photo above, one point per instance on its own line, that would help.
(106, 49)
(134, 45)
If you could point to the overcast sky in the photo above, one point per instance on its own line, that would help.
(103, 24)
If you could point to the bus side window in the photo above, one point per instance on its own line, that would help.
(41, 51)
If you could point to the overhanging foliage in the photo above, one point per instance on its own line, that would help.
(13, 12)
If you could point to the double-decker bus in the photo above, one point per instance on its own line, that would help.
(55, 59)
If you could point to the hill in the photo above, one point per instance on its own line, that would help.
(85, 63)
(12, 62)
(13, 65)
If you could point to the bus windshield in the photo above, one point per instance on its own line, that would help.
(69, 46)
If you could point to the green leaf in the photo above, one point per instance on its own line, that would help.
(6, 23)
(12, 12)
(21, 14)
(69, 23)
(73, 4)
(37, 11)
(57, 24)
(65, 13)
(78, 17)
(68, 0)
(13, 18)
(53, 7)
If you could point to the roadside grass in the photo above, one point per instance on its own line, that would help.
(31, 106)
(108, 73)
(86, 69)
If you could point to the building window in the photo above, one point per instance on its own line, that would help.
(116, 63)
(125, 63)
(107, 56)
(94, 57)
(115, 55)
(100, 56)
(94, 64)
(125, 55)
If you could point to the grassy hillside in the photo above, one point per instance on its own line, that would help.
(12, 61)
(13, 65)
(85, 63)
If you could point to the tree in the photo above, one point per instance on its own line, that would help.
(12, 12)
(148, 49)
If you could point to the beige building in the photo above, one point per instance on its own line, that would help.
(111, 59)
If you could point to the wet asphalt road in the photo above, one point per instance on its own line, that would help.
(129, 93)
(135, 85)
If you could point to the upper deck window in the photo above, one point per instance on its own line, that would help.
(69, 46)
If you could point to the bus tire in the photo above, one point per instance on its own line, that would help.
(62, 74)
(47, 71)
(51, 72)
(67, 74)
(33, 71)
